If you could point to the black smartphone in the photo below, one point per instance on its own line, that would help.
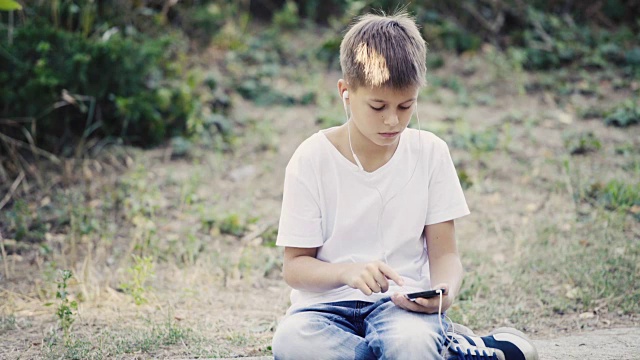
(424, 294)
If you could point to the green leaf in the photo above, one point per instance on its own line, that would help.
(8, 5)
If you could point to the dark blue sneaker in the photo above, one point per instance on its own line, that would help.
(500, 344)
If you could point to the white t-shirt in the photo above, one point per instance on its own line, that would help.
(352, 215)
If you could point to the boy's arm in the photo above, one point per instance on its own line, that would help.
(444, 262)
(445, 268)
(303, 271)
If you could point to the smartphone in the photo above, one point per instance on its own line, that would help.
(424, 294)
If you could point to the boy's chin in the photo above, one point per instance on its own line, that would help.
(383, 140)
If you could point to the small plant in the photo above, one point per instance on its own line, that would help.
(142, 269)
(7, 323)
(616, 195)
(591, 112)
(232, 224)
(269, 237)
(65, 308)
(288, 17)
(477, 143)
(465, 180)
(583, 143)
(623, 115)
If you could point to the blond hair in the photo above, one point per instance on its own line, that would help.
(381, 50)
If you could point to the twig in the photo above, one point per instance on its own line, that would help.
(570, 190)
(548, 41)
(18, 294)
(24, 145)
(12, 190)
(493, 27)
(168, 4)
(36, 160)
(4, 256)
(30, 170)
(16, 121)
(3, 172)
(11, 26)
(257, 232)
(595, 11)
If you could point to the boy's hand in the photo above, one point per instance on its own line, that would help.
(428, 306)
(370, 277)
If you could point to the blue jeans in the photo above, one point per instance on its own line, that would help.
(358, 330)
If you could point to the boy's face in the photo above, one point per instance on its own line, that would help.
(381, 114)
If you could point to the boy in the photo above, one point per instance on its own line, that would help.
(368, 210)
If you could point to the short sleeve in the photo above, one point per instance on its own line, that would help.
(446, 200)
(300, 218)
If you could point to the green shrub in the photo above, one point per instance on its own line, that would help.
(550, 40)
(624, 114)
(140, 272)
(446, 34)
(121, 87)
(202, 22)
(288, 17)
(580, 144)
(616, 195)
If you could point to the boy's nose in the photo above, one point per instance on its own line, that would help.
(391, 120)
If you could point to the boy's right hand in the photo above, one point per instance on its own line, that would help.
(370, 277)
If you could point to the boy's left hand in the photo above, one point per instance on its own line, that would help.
(427, 306)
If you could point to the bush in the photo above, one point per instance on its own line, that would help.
(617, 195)
(582, 143)
(121, 86)
(625, 114)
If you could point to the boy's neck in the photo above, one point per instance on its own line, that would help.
(371, 155)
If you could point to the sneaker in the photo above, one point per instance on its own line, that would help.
(460, 329)
(500, 344)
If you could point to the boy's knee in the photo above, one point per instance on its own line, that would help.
(410, 339)
(312, 336)
(285, 337)
(295, 335)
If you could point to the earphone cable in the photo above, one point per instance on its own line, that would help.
(384, 204)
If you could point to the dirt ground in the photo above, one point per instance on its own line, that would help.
(514, 192)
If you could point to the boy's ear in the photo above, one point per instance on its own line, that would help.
(342, 89)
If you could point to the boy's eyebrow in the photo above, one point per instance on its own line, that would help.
(384, 101)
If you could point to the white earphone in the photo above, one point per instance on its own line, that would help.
(345, 96)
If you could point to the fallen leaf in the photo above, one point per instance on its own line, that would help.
(572, 293)
(587, 315)
(45, 201)
(584, 243)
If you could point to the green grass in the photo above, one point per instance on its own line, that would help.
(591, 267)
(624, 114)
(581, 143)
(7, 323)
(151, 341)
